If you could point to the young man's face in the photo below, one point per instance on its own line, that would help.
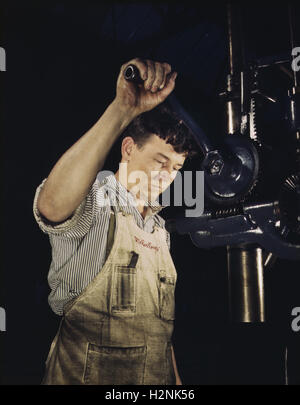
(152, 168)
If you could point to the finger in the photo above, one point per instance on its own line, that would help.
(169, 87)
(167, 70)
(151, 75)
(140, 64)
(159, 77)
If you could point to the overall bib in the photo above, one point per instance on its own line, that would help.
(119, 329)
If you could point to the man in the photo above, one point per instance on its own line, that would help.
(112, 277)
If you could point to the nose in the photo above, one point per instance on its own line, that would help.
(169, 167)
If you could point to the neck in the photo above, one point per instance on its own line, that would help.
(140, 202)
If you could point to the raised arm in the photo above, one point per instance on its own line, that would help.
(72, 176)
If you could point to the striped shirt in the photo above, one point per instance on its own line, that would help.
(79, 243)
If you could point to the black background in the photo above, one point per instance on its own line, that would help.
(63, 59)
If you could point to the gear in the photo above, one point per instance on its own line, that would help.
(252, 122)
(226, 190)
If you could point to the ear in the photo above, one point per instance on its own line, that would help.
(127, 148)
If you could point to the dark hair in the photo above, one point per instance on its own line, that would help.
(163, 122)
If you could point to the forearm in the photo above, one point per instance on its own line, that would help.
(178, 379)
(71, 177)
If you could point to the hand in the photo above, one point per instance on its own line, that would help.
(158, 83)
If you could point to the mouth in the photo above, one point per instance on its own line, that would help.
(160, 184)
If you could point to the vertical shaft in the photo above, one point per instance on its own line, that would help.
(246, 284)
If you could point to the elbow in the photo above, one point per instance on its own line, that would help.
(50, 211)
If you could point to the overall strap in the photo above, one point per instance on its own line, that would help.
(110, 233)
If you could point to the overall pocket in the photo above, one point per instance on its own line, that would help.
(124, 290)
(106, 365)
(166, 293)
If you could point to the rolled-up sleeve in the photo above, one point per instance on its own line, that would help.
(81, 220)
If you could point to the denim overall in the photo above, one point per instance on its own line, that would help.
(119, 329)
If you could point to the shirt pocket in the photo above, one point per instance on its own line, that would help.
(166, 293)
(124, 290)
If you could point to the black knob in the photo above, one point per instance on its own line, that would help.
(132, 74)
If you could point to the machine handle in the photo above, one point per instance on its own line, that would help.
(132, 74)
